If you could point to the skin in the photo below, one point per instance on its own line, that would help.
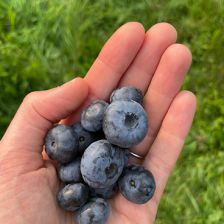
(28, 180)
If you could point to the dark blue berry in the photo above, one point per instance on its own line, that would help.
(99, 135)
(73, 196)
(61, 143)
(126, 156)
(70, 172)
(105, 193)
(125, 123)
(127, 93)
(85, 137)
(92, 116)
(96, 211)
(137, 184)
(102, 164)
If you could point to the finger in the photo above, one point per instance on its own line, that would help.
(114, 59)
(162, 156)
(157, 39)
(168, 144)
(39, 111)
(164, 86)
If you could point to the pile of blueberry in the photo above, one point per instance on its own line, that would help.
(93, 156)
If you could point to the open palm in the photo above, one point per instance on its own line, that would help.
(150, 61)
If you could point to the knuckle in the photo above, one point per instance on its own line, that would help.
(30, 97)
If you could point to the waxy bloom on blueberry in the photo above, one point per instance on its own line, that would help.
(102, 164)
(125, 123)
(137, 184)
(96, 211)
(92, 116)
(61, 143)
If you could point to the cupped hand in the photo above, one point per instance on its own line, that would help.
(150, 61)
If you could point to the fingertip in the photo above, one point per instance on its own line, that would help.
(180, 115)
(131, 32)
(75, 84)
(129, 35)
(133, 26)
(163, 30)
(188, 94)
(183, 103)
(82, 85)
(179, 51)
(114, 59)
(188, 97)
(185, 51)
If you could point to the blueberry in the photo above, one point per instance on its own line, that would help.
(70, 172)
(127, 93)
(126, 157)
(61, 143)
(92, 116)
(99, 135)
(73, 196)
(102, 164)
(137, 184)
(85, 137)
(96, 211)
(105, 193)
(125, 123)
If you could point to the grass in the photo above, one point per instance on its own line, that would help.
(44, 43)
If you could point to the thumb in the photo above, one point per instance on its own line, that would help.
(37, 113)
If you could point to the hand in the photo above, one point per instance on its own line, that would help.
(150, 61)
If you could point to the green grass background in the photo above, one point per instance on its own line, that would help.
(44, 43)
